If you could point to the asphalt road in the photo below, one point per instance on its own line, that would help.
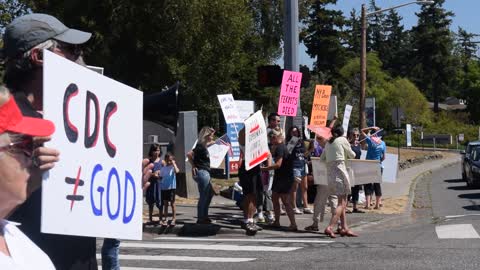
(441, 232)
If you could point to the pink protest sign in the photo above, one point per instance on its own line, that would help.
(324, 132)
(289, 93)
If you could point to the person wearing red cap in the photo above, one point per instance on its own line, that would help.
(17, 251)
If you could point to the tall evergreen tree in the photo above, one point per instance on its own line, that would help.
(375, 30)
(465, 48)
(353, 34)
(323, 37)
(394, 57)
(433, 43)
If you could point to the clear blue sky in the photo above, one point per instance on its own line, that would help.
(466, 16)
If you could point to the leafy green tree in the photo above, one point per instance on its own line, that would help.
(433, 42)
(375, 30)
(322, 36)
(211, 47)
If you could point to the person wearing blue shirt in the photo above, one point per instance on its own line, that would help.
(375, 151)
(167, 186)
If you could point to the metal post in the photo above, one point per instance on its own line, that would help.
(363, 67)
(290, 51)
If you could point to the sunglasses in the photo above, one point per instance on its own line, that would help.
(24, 146)
(75, 50)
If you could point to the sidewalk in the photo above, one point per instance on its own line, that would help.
(228, 216)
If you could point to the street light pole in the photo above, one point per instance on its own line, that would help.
(363, 67)
(363, 54)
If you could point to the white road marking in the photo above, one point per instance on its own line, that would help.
(458, 216)
(205, 247)
(143, 268)
(265, 240)
(179, 258)
(456, 231)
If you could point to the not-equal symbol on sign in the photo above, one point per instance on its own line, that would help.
(76, 182)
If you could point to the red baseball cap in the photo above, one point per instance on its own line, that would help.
(12, 120)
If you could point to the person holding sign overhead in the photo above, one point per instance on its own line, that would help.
(199, 158)
(17, 251)
(375, 151)
(336, 152)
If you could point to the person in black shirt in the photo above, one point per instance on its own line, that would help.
(356, 147)
(23, 44)
(282, 179)
(199, 158)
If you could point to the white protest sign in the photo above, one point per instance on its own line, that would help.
(96, 187)
(319, 172)
(409, 135)
(365, 171)
(229, 109)
(390, 167)
(217, 154)
(346, 118)
(292, 143)
(332, 108)
(256, 145)
(245, 108)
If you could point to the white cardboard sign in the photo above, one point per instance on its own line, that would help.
(346, 118)
(409, 135)
(360, 171)
(229, 109)
(364, 171)
(319, 172)
(217, 154)
(256, 145)
(390, 167)
(96, 187)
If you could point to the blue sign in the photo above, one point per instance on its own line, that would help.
(232, 132)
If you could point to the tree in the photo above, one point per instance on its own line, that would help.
(353, 34)
(322, 36)
(397, 45)
(375, 30)
(465, 48)
(211, 47)
(433, 43)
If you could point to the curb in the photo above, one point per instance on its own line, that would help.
(416, 179)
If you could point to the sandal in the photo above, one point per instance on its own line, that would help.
(348, 233)
(329, 233)
(172, 223)
(312, 228)
(163, 223)
(348, 211)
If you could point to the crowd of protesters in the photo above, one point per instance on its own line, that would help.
(270, 189)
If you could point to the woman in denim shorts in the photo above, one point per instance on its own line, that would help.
(299, 172)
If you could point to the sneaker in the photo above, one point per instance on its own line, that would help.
(297, 211)
(261, 219)
(307, 211)
(251, 227)
(258, 228)
(282, 212)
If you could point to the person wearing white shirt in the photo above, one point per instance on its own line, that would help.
(19, 161)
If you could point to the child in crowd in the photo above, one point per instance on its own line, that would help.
(167, 185)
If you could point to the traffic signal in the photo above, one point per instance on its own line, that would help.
(269, 76)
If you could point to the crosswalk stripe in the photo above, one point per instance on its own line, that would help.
(149, 268)
(179, 258)
(266, 240)
(206, 247)
(456, 231)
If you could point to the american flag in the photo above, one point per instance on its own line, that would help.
(224, 140)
